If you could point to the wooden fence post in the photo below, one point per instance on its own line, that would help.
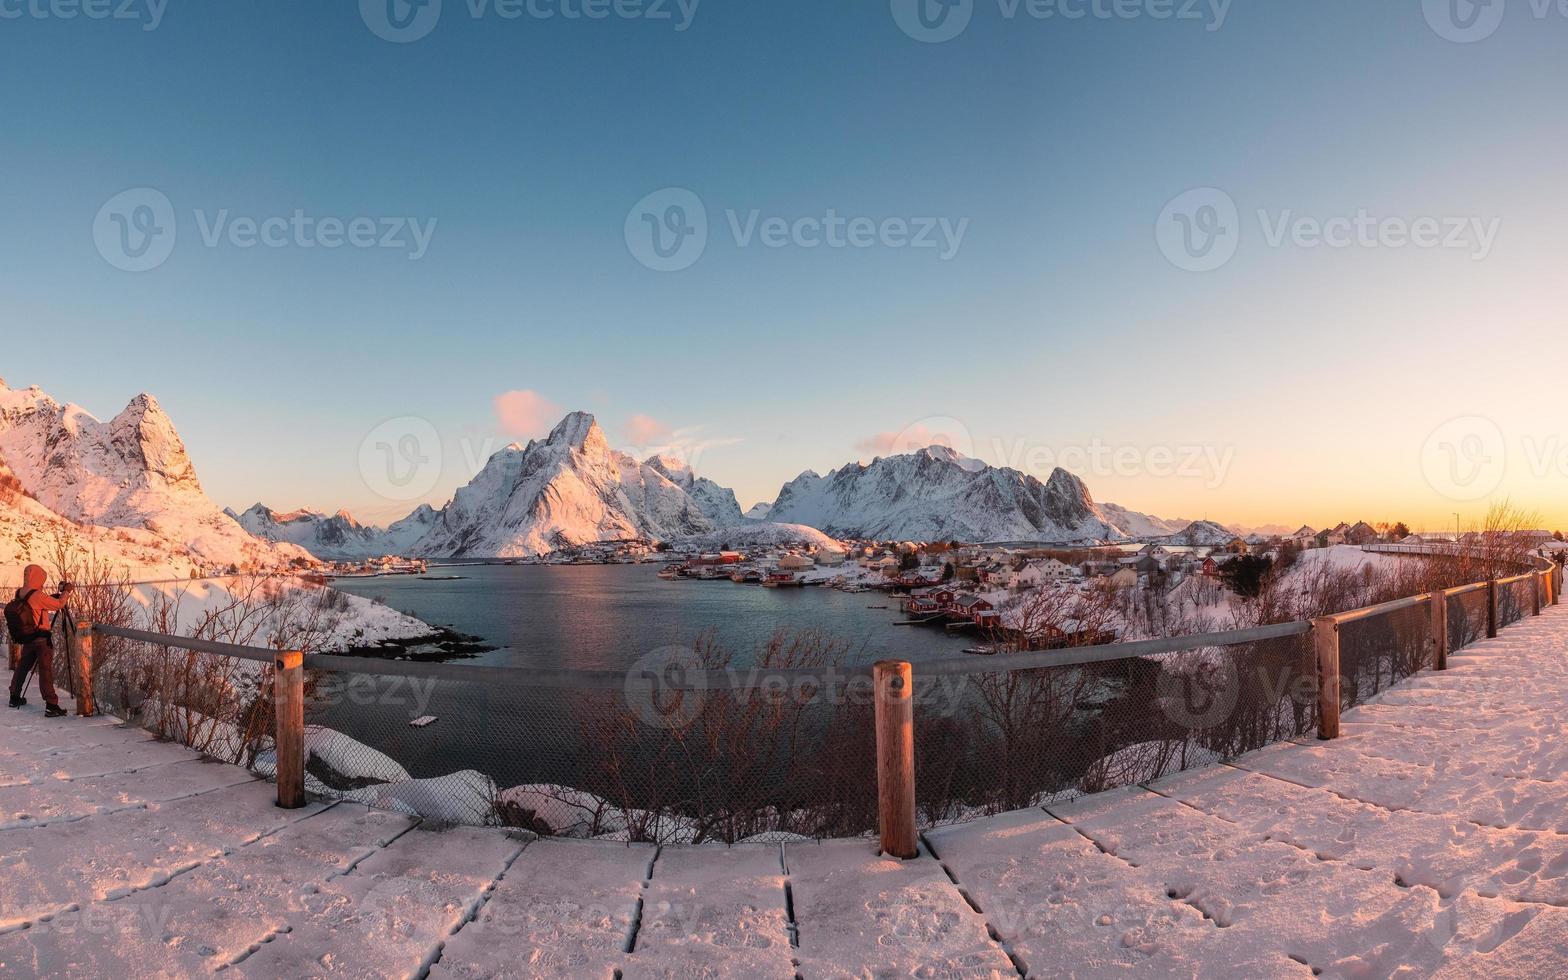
(895, 727)
(1325, 638)
(81, 647)
(1439, 630)
(1535, 594)
(1491, 609)
(289, 704)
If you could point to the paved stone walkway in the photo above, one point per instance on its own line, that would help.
(1431, 840)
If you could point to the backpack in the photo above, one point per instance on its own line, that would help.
(20, 620)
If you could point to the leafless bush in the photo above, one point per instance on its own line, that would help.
(219, 705)
(728, 764)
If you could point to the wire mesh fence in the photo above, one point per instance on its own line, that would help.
(628, 763)
(1515, 600)
(219, 705)
(1007, 739)
(1379, 651)
(676, 751)
(1467, 614)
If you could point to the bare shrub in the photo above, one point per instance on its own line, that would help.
(731, 764)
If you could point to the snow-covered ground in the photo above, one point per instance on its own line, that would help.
(357, 621)
(1431, 839)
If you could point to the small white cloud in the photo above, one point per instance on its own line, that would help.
(525, 414)
(912, 439)
(644, 430)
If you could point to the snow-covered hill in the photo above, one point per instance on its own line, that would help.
(567, 490)
(716, 502)
(1203, 534)
(125, 489)
(1139, 525)
(937, 494)
(754, 535)
(337, 536)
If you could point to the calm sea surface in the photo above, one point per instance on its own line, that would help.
(602, 617)
(606, 616)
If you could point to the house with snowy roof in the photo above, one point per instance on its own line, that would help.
(1334, 535)
(1362, 533)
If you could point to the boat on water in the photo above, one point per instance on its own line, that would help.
(669, 572)
(982, 650)
(746, 576)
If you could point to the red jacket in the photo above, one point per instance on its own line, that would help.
(44, 604)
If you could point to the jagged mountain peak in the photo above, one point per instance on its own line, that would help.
(936, 493)
(947, 454)
(132, 472)
(580, 431)
(572, 489)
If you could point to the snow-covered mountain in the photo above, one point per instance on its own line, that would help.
(718, 503)
(936, 494)
(758, 534)
(567, 490)
(125, 488)
(759, 511)
(1139, 525)
(340, 535)
(1203, 534)
(402, 536)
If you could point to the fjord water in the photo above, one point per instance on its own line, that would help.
(593, 617)
(586, 617)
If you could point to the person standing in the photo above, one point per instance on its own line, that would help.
(38, 645)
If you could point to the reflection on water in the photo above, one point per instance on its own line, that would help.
(580, 617)
(606, 616)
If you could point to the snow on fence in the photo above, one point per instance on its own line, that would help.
(721, 756)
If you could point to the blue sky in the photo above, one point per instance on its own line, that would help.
(1329, 383)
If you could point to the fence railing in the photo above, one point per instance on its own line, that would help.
(1038, 725)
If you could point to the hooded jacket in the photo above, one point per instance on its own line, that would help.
(35, 578)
